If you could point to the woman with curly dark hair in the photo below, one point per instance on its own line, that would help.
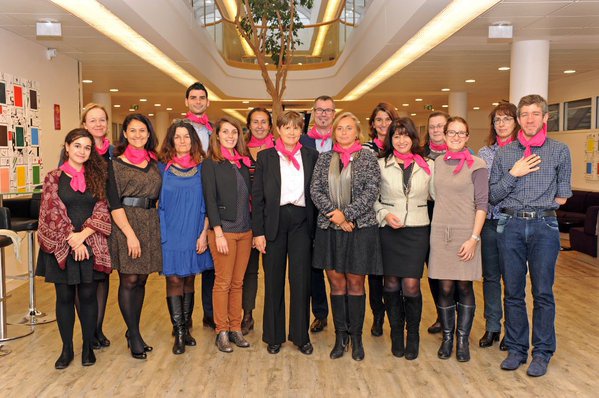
(74, 224)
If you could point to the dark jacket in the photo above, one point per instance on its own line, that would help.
(307, 141)
(266, 192)
(220, 190)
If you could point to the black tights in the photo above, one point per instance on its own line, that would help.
(102, 299)
(447, 290)
(132, 289)
(65, 311)
(177, 286)
(410, 287)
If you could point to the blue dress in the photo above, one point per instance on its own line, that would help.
(182, 214)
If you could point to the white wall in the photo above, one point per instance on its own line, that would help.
(58, 84)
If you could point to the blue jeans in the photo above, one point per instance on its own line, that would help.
(537, 242)
(491, 277)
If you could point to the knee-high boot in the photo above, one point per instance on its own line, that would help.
(447, 315)
(465, 318)
(396, 314)
(175, 309)
(339, 309)
(356, 307)
(413, 306)
(188, 303)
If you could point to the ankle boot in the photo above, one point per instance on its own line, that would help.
(465, 318)
(175, 309)
(413, 306)
(356, 306)
(247, 323)
(396, 314)
(447, 318)
(338, 308)
(188, 301)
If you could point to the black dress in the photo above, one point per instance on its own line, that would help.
(80, 207)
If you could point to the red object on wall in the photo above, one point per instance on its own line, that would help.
(56, 117)
(18, 90)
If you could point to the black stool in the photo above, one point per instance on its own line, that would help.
(7, 332)
(24, 214)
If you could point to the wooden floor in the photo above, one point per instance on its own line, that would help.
(203, 371)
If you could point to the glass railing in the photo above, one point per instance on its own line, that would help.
(321, 42)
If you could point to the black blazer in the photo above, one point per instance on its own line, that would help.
(307, 141)
(266, 192)
(220, 190)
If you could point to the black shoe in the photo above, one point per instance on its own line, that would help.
(273, 348)
(318, 325)
(306, 349)
(64, 360)
(247, 323)
(341, 345)
(147, 348)
(208, 322)
(136, 355)
(377, 324)
(88, 358)
(488, 339)
(96, 344)
(502, 345)
(435, 327)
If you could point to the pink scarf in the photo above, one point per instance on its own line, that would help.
(537, 140)
(105, 145)
(290, 155)
(464, 156)
(236, 157)
(313, 133)
(77, 177)
(347, 152)
(408, 158)
(199, 120)
(504, 143)
(184, 161)
(137, 156)
(437, 147)
(266, 142)
(380, 144)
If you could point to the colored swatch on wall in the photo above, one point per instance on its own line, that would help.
(20, 137)
(35, 136)
(4, 179)
(35, 171)
(21, 178)
(33, 99)
(3, 135)
(2, 93)
(18, 92)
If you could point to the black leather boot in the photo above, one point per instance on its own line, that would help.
(356, 306)
(447, 318)
(188, 301)
(395, 313)
(339, 310)
(413, 306)
(175, 309)
(465, 318)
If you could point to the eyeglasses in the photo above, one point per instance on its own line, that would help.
(320, 111)
(504, 120)
(436, 126)
(453, 133)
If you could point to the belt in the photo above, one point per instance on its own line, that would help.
(529, 215)
(145, 203)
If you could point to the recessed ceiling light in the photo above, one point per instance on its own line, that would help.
(418, 100)
(183, 114)
(470, 81)
(405, 104)
(114, 90)
(150, 114)
(131, 110)
(245, 102)
(299, 63)
(502, 68)
(266, 63)
(116, 106)
(445, 89)
(396, 109)
(412, 114)
(367, 118)
(495, 103)
(143, 100)
(569, 71)
(169, 109)
(249, 108)
(444, 106)
(476, 108)
(87, 81)
(157, 105)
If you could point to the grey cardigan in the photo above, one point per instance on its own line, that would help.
(366, 179)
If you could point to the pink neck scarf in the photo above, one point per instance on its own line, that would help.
(266, 142)
(504, 143)
(408, 158)
(290, 155)
(313, 133)
(464, 156)
(347, 152)
(137, 156)
(236, 157)
(537, 140)
(199, 120)
(77, 177)
(105, 145)
(437, 147)
(380, 144)
(184, 161)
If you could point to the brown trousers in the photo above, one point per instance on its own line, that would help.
(229, 271)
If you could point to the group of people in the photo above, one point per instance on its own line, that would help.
(213, 201)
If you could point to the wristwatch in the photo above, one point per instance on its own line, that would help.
(475, 237)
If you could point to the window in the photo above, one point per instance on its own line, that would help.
(577, 114)
(553, 121)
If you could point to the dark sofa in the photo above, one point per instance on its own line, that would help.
(578, 217)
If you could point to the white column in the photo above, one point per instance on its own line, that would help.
(529, 72)
(458, 104)
(161, 124)
(105, 100)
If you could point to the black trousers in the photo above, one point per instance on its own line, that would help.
(293, 241)
(207, 286)
(375, 294)
(250, 282)
(318, 294)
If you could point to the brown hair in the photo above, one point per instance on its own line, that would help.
(402, 126)
(427, 138)
(167, 150)
(96, 172)
(324, 98)
(382, 107)
(533, 99)
(456, 119)
(215, 152)
(507, 109)
(343, 116)
(248, 121)
(290, 117)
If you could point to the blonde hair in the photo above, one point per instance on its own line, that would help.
(352, 117)
(89, 107)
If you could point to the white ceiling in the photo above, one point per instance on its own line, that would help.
(571, 26)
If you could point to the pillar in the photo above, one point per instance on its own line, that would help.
(458, 104)
(161, 124)
(529, 73)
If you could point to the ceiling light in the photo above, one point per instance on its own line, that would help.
(418, 100)
(330, 13)
(169, 109)
(367, 118)
(412, 114)
(143, 100)
(299, 63)
(444, 106)
(502, 68)
(405, 104)
(157, 105)
(476, 108)
(495, 103)
(131, 110)
(114, 90)
(470, 81)
(116, 106)
(183, 114)
(569, 71)
(87, 81)
(150, 114)
(445, 89)
(100, 18)
(396, 109)
(451, 19)
(245, 102)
